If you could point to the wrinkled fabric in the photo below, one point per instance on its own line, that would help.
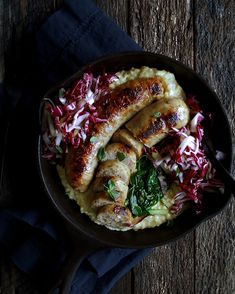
(31, 233)
(76, 35)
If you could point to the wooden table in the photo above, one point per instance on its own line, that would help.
(201, 34)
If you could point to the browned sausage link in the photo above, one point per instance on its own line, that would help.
(153, 123)
(115, 150)
(116, 217)
(119, 173)
(125, 137)
(117, 107)
(103, 176)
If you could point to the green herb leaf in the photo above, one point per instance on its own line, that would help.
(144, 189)
(120, 156)
(177, 171)
(158, 211)
(136, 210)
(207, 175)
(61, 92)
(111, 184)
(59, 149)
(93, 139)
(110, 189)
(157, 114)
(114, 194)
(155, 155)
(126, 203)
(101, 154)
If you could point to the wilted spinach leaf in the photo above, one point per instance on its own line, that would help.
(144, 189)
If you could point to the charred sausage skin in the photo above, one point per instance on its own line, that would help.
(153, 123)
(116, 107)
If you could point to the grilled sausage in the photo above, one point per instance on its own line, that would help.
(116, 107)
(116, 217)
(99, 182)
(153, 123)
(102, 197)
(114, 168)
(123, 153)
(124, 136)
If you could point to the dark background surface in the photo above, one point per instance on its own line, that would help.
(201, 34)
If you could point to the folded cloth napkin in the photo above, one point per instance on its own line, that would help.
(31, 233)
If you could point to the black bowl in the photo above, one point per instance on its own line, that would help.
(191, 82)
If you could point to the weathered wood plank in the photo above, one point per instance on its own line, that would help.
(215, 59)
(169, 269)
(1, 43)
(17, 16)
(123, 285)
(117, 10)
(165, 27)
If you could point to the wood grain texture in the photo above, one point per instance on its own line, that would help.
(117, 10)
(214, 60)
(169, 269)
(124, 285)
(165, 27)
(17, 16)
(1, 43)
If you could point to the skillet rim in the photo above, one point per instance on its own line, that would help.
(70, 219)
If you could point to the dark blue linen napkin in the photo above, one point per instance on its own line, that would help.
(30, 232)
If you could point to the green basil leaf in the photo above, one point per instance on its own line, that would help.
(101, 154)
(111, 184)
(120, 156)
(157, 114)
(114, 194)
(110, 189)
(93, 139)
(61, 93)
(59, 149)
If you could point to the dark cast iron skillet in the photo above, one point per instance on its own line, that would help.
(87, 236)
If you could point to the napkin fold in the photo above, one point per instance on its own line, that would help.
(30, 232)
(75, 35)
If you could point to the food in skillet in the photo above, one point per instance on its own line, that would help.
(128, 147)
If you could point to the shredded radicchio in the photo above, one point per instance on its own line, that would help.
(70, 116)
(184, 160)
